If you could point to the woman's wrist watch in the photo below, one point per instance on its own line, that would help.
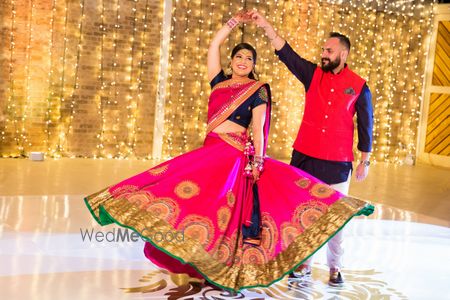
(366, 163)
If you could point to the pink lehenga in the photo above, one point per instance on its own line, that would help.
(191, 210)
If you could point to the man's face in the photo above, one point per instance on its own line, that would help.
(333, 53)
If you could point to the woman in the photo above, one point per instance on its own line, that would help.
(225, 212)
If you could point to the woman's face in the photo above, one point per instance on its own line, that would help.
(242, 63)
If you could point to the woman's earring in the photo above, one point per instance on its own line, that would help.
(254, 73)
(229, 70)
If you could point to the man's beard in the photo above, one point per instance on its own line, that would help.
(331, 64)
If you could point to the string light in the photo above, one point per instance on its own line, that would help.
(100, 151)
(59, 150)
(11, 103)
(23, 135)
(51, 98)
(140, 77)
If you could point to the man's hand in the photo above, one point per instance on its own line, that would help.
(361, 171)
(258, 19)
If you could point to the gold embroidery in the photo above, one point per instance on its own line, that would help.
(198, 228)
(231, 199)
(231, 83)
(238, 275)
(164, 208)
(223, 250)
(303, 183)
(227, 111)
(235, 139)
(254, 255)
(124, 189)
(223, 217)
(263, 95)
(288, 233)
(159, 171)
(308, 213)
(269, 234)
(141, 198)
(321, 190)
(187, 189)
(97, 199)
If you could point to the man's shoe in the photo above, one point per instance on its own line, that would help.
(336, 279)
(301, 272)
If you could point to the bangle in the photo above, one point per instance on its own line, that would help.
(258, 162)
(231, 23)
(258, 166)
(366, 163)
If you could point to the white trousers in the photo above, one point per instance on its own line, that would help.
(335, 249)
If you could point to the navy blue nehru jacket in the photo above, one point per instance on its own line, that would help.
(330, 172)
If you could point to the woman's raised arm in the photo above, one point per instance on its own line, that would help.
(214, 65)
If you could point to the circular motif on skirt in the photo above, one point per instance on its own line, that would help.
(159, 170)
(254, 255)
(269, 233)
(237, 259)
(140, 198)
(164, 208)
(308, 213)
(198, 228)
(187, 189)
(289, 232)
(223, 217)
(231, 199)
(222, 250)
(321, 190)
(303, 183)
(237, 245)
(124, 189)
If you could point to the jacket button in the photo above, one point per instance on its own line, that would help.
(326, 116)
(329, 102)
(332, 90)
(323, 130)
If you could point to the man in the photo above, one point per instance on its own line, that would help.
(324, 143)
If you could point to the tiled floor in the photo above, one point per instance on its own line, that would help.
(400, 252)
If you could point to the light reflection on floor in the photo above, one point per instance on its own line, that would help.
(394, 254)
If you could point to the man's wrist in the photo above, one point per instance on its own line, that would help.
(270, 32)
(366, 163)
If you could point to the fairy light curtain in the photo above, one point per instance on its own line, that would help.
(80, 78)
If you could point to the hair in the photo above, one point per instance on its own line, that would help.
(344, 40)
(249, 47)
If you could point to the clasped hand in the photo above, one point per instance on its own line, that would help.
(251, 16)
